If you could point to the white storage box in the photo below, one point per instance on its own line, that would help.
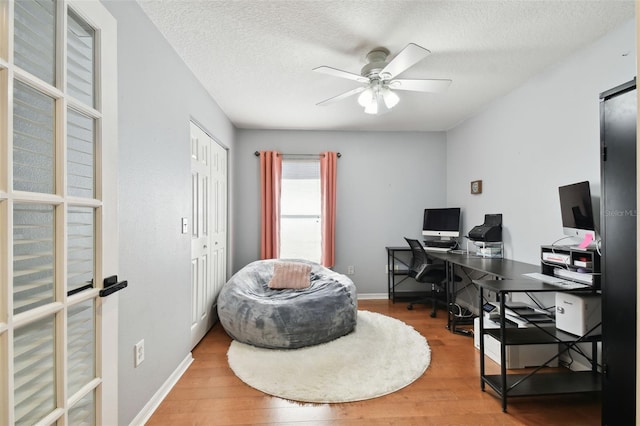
(519, 356)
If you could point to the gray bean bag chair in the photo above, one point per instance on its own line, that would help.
(252, 312)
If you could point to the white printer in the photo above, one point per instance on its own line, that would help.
(578, 313)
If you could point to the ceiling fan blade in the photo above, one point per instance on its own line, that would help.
(342, 74)
(342, 96)
(430, 85)
(407, 57)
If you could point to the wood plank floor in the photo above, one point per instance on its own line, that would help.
(447, 394)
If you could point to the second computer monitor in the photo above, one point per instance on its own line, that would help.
(443, 223)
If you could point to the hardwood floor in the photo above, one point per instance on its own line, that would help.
(447, 394)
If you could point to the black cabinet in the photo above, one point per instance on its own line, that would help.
(618, 116)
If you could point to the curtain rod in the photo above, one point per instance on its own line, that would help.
(257, 154)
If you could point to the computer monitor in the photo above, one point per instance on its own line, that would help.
(443, 223)
(577, 211)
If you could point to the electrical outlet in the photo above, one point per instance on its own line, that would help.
(138, 352)
(351, 270)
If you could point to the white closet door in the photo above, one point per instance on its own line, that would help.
(208, 229)
(218, 219)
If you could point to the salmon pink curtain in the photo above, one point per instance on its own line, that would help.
(328, 168)
(270, 181)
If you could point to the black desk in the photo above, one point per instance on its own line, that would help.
(502, 269)
(530, 383)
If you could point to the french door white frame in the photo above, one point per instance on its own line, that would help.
(105, 115)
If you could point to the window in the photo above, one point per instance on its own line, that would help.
(300, 210)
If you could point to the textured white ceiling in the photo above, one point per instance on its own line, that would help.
(256, 57)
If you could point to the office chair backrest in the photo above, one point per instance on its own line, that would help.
(419, 261)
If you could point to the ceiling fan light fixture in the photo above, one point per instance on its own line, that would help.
(372, 108)
(377, 95)
(390, 98)
(366, 97)
(377, 99)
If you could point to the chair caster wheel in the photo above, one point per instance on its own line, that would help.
(433, 315)
(410, 307)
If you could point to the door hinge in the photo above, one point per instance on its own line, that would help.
(604, 153)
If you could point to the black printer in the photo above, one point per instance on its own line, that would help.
(490, 231)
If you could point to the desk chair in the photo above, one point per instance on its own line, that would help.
(423, 270)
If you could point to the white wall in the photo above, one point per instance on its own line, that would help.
(543, 135)
(385, 180)
(157, 97)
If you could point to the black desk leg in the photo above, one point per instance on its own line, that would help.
(481, 345)
(449, 288)
(503, 352)
(389, 272)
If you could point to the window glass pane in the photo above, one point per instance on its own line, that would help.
(81, 345)
(80, 155)
(80, 73)
(35, 38)
(300, 238)
(83, 413)
(33, 256)
(33, 140)
(300, 210)
(80, 248)
(34, 375)
(300, 187)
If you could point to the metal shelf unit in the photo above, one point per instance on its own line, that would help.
(538, 381)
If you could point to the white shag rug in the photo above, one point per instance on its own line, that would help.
(381, 356)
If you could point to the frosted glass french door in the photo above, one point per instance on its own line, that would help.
(58, 139)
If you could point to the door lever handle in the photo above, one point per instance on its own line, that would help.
(111, 285)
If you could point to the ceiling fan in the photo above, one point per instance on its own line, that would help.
(379, 79)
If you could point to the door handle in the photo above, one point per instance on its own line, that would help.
(111, 285)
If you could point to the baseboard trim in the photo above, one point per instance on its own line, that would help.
(372, 296)
(150, 407)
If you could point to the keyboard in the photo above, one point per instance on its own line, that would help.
(555, 281)
(448, 244)
(437, 249)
